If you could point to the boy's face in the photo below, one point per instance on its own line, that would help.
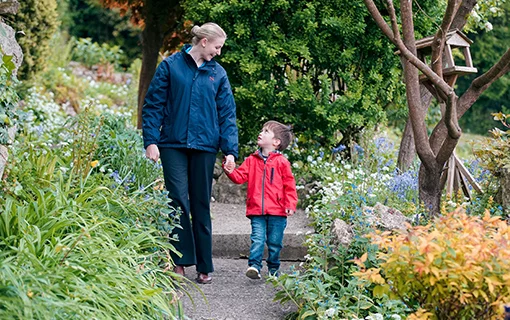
(267, 140)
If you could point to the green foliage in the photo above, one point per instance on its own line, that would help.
(109, 27)
(8, 98)
(321, 66)
(483, 12)
(38, 20)
(119, 147)
(78, 250)
(75, 243)
(91, 53)
(325, 288)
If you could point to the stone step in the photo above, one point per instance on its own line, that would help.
(231, 233)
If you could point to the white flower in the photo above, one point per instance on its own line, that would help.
(376, 316)
(308, 257)
(488, 26)
(475, 16)
(330, 312)
(396, 317)
(309, 158)
(347, 167)
(295, 165)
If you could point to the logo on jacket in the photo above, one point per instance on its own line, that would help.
(211, 78)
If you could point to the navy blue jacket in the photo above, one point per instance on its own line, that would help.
(190, 107)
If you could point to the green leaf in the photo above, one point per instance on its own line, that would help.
(308, 313)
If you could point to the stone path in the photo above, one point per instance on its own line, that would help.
(233, 296)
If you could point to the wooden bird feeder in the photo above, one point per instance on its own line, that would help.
(455, 40)
(455, 176)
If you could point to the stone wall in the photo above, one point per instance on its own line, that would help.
(224, 190)
(9, 46)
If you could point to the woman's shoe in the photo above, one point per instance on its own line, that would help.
(204, 278)
(179, 270)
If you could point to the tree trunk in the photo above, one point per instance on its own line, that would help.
(152, 40)
(407, 150)
(430, 188)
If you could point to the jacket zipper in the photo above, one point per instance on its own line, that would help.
(263, 185)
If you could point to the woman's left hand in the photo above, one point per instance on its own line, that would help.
(229, 158)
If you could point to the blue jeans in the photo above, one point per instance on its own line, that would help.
(266, 229)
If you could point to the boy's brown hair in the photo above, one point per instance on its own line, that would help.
(281, 132)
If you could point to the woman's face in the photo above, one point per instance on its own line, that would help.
(211, 48)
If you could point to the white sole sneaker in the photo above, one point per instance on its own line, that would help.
(253, 273)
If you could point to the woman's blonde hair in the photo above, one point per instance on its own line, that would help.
(209, 30)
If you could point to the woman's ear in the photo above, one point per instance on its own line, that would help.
(203, 42)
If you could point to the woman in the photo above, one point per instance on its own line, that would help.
(189, 113)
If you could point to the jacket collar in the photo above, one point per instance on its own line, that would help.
(191, 62)
(275, 153)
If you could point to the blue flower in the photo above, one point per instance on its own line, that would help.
(340, 148)
(359, 149)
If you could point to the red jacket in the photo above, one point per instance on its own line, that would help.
(271, 185)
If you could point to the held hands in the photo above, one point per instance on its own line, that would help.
(289, 212)
(229, 164)
(152, 152)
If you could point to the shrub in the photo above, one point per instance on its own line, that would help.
(455, 268)
(91, 53)
(38, 20)
(495, 152)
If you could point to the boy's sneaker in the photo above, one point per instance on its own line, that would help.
(253, 273)
(274, 273)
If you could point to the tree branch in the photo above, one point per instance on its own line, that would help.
(434, 78)
(413, 94)
(446, 150)
(379, 20)
(468, 99)
(460, 19)
(480, 84)
(440, 38)
(393, 19)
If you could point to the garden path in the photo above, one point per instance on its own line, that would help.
(231, 295)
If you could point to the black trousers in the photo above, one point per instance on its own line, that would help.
(188, 179)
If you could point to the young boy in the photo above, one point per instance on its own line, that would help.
(271, 195)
